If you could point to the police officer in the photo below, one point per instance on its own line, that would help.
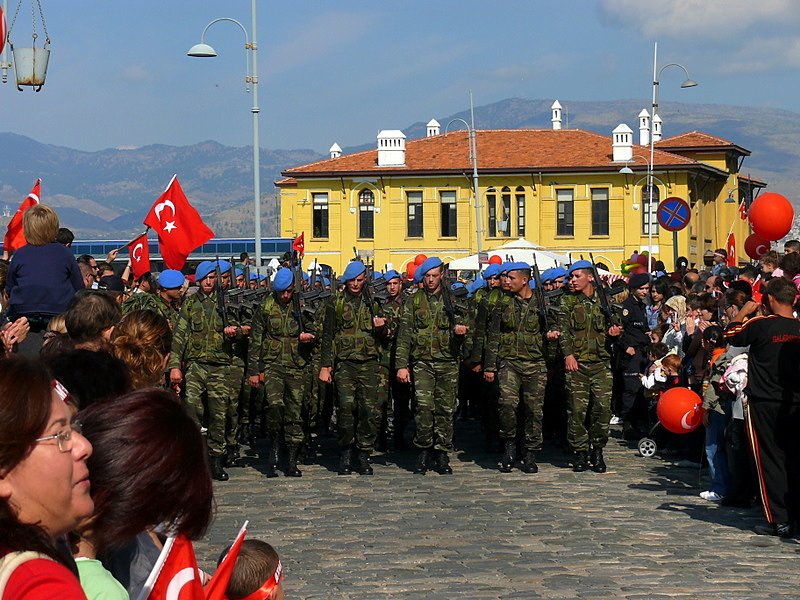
(633, 350)
(280, 353)
(204, 345)
(430, 341)
(350, 357)
(585, 339)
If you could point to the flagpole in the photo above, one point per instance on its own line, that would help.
(121, 248)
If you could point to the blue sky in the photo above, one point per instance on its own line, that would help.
(342, 70)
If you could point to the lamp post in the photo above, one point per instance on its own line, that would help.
(686, 84)
(251, 77)
(473, 156)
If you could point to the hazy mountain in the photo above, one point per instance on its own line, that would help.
(107, 193)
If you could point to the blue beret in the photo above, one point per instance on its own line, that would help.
(353, 270)
(203, 269)
(392, 274)
(170, 279)
(429, 264)
(580, 264)
(326, 281)
(476, 285)
(547, 275)
(519, 266)
(558, 272)
(261, 277)
(377, 275)
(224, 266)
(491, 271)
(532, 283)
(239, 272)
(254, 275)
(306, 277)
(457, 285)
(506, 267)
(283, 279)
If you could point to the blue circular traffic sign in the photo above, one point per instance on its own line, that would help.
(673, 214)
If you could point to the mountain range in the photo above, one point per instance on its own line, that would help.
(106, 194)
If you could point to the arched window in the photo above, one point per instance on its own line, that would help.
(505, 211)
(520, 197)
(366, 215)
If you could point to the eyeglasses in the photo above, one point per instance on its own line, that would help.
(64, 438)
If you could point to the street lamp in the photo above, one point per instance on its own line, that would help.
(473, 156)
(203, 50)
(686, 84)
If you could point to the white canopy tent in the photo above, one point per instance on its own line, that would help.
(517, 250)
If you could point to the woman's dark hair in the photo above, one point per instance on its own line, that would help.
(662, 286)
(736, 297)
(141, 340)
(89, 314)
(790, 264)
(90, 376)
(148, 468)
(714, 335)
(709, 303)
(25, 404)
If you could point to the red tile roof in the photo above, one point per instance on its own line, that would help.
(500, 150)
(697, 140)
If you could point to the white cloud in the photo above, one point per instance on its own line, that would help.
(760, 55)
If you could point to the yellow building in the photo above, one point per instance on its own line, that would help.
(560, 188)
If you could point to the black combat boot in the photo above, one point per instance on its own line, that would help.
(231, 456)
(509, 454)
(364, 468)
(273, 455)
(291, 464)
(217, 470)
(443, 463)
(596, 460)
(422, 462)
(344, 462)
(529, 463)
(581, 462)
(244, 433)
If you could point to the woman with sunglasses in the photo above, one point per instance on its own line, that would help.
(44, 483)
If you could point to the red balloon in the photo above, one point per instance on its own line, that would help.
(638, 269)
(642, 259)
(680, 410)
(419, 259)
(755, 246)
(410, 268)
(771, 216)
(495, 260)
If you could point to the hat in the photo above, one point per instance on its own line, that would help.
(579, 264)
(253, 275)
(306, 277)
(283, 279)
(170, 279)
(558, 272)
(506, 267)
(520, 266)
(547, 275)
(326, 281)
(476, 285)
(203, 269)
(112, 283)
(377, 275)
(638, 280)
(224, 266)
(239, 273)
(492, 270)
(392, 274)
(353, 270)
(431, 263)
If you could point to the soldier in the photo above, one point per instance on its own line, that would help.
(430, 341)
(515, 357)
(585, 339)
(166, 302)
(203, 344)
(350, 356)
(632, 351)
(280, 353)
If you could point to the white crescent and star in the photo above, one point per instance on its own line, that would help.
(176, 584)
(140, 248)
(762, 249)
(684, 424)
(168, 225)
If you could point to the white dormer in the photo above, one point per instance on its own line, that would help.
(656, 128)
(434, 128)
(556, 108)
(391, 148)
(622, 143)
(644, 128)
(335, 151)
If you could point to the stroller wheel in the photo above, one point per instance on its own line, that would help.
(647, 447)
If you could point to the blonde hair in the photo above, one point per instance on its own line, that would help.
(142, 340)
(40, 225)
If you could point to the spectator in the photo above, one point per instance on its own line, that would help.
(65, 237)
(90, 319)
(142, 341)
(257, 570)
(791, 246)
(717, 404)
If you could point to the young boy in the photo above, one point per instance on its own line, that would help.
(257, 573)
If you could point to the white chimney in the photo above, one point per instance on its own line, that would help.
(556, 108)
(335, 151)
(433, 127)
(644, 128)
(622, 143)
(391, 148)
(656, 128)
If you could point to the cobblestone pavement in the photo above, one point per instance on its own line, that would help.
(639, 531)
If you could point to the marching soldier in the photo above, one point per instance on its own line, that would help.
(166, 302)
(350, 357)
(429, 341)
(585, 339)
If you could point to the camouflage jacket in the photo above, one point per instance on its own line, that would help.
(148, 301)
(275, 338)
(426, 332)
(198, 334)
(483, 311)
(348, 333)
(515, 332)
(584, 332)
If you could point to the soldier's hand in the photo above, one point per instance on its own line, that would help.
(246, 329)
(378, 322)
(175, 376)
(553, 335)
(489, 376)
(460, 329)
(403, 376)
(477, 368)
(306, 337)
(570, 364)
(325, 375)
(254, 381)
(230, 331)
(615, 330)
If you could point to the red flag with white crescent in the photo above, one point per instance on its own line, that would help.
(299, 244)
(139, 250)
(15, 236)
(215, 589)
(743, 210)
(731, 248)
(3, 30)
(175, 575)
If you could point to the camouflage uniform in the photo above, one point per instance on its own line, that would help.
(153, 302)
(199, 342)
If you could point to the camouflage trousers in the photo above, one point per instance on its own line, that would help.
(233, 417)
(285, 394)
(356, 383)
(525, 380)
(210, 393)
(589, 405)
(435, 386)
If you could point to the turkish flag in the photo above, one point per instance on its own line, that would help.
(743, 210)
(216, 587)
(731, 248)
(299, 244)
(15, 237)
(139, 249)
(3, 30)
(178, 225)
(175, 575)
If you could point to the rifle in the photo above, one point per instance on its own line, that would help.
(220, 295)
(612, 319)
(541, 296)
(366, 291)
(446, 298)
(298, 289)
